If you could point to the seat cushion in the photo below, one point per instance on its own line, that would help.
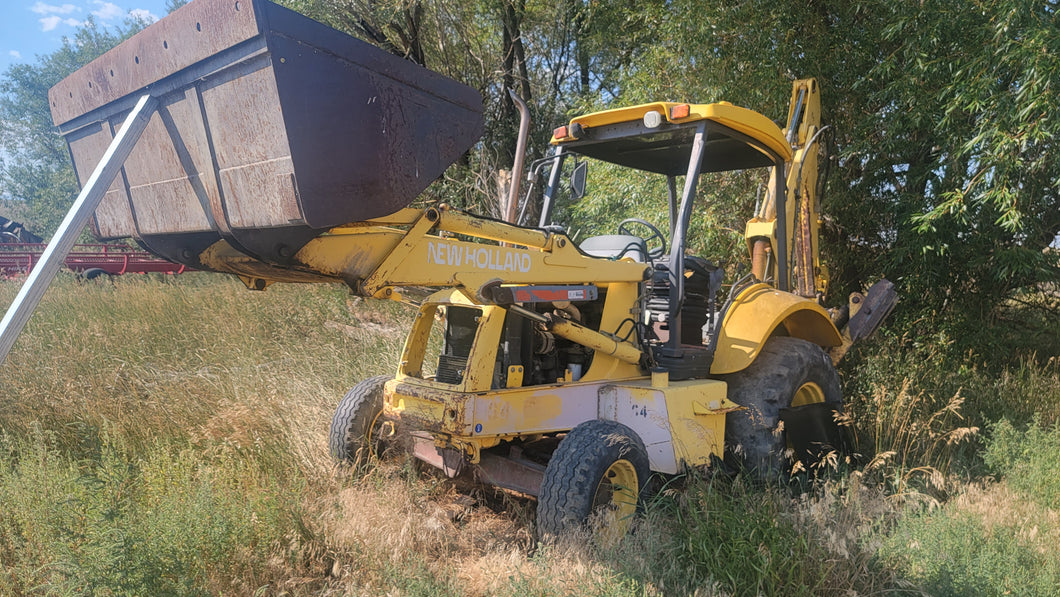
(616, 246)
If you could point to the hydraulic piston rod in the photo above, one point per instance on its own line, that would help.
(580, 334)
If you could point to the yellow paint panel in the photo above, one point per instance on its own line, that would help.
(429, 406)
(759, 229)
(626, 114)
(697, 421)
(746, 121)
(515, 376)
(682, 424)
(419, 408)
(621, 299)
(528, 411)
(754, 315)
(479, 374)
(435, 261)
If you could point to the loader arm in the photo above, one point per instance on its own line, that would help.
(376, 256)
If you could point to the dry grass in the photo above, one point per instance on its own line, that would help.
(998, 507)
(910, 442)
(384, 523)
(142, 382)
(235, 386)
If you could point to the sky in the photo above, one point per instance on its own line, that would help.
(34, 27)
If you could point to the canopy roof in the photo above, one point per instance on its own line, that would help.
(736, 138)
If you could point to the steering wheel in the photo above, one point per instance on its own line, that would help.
(655, 253)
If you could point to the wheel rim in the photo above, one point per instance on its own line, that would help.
(615, 501)
(808, 393)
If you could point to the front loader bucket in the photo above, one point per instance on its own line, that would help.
(270, 129)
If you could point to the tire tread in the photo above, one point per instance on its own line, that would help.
(765, 388)
(576, 468)
(354, 416)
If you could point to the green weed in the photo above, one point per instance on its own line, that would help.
(910, 444)
(964, 550)
(1016, 384)
(996, 539)
(167, 435)
(1028, 460)
(172, 521)
(744, 541)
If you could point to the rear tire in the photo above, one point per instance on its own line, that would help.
(598, 471)
(94, 272)
(355, 425)
(787, 372)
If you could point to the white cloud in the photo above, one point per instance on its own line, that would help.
(143, 15)
(52, 12)
(15, 54)
(107, 11)
(52, 9)
(51, 22)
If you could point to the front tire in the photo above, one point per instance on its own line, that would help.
(788, 372)
(355, 425)
(598, 471)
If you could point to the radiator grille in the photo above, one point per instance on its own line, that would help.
(451, 369)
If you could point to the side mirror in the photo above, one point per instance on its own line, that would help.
(577, 180)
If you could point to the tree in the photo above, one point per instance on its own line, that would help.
(959, 152)
(944, 165)
(945, 170)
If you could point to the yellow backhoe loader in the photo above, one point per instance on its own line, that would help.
(276, 149)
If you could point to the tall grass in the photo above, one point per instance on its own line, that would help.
(910, 444)
(173, 428)
(979, 522)
(164, 435)
(1017, 383)
(993, 539)
(188, 358)
(168, 521)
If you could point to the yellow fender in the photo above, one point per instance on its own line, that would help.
(753, 317)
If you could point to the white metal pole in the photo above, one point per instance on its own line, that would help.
(55, 253)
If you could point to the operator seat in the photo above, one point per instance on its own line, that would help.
(616, 246)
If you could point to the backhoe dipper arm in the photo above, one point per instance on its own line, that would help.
(793, 245)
